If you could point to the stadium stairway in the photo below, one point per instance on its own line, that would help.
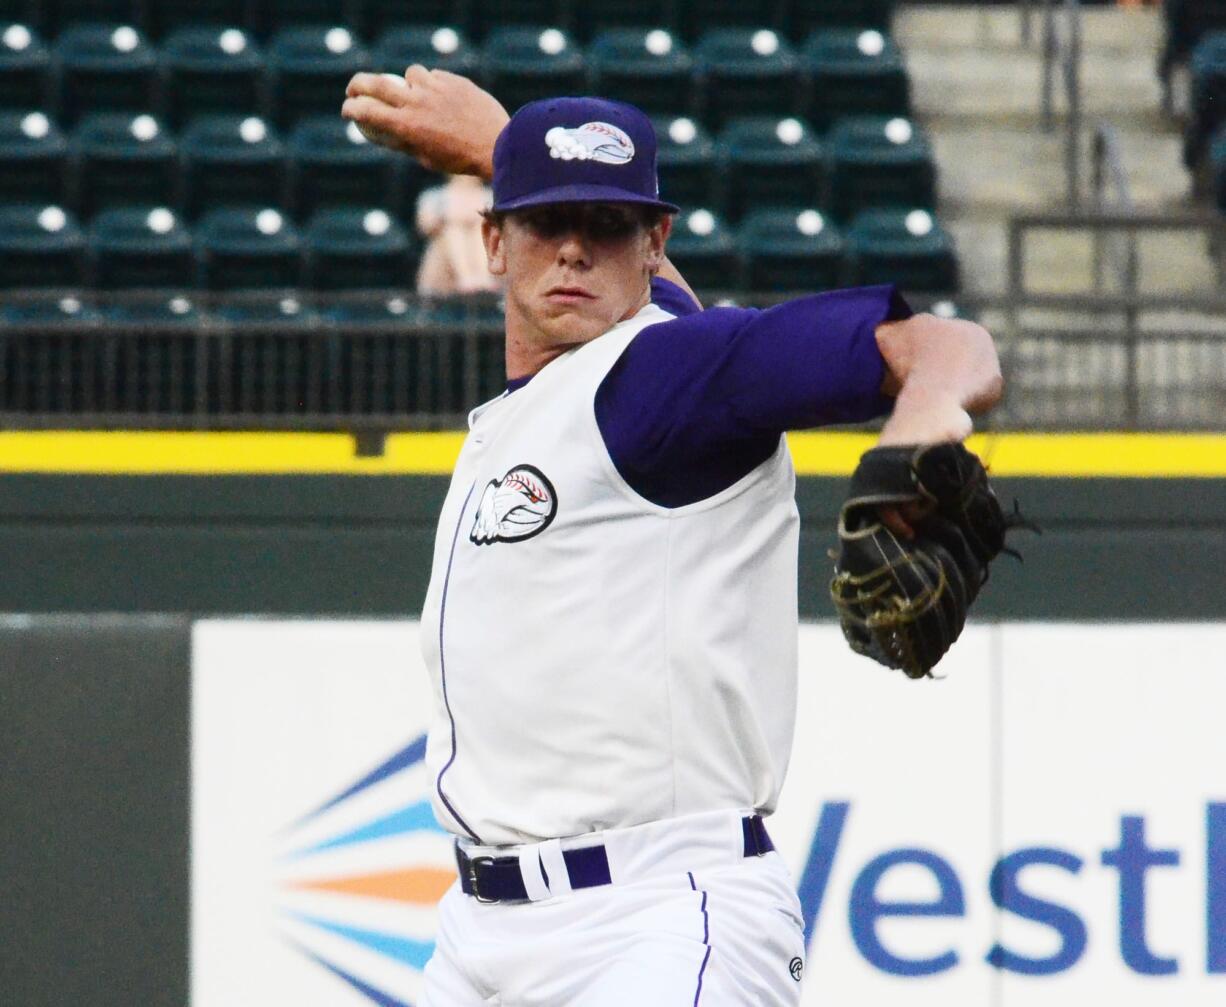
(977, 90)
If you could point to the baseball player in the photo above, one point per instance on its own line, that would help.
(611, 623)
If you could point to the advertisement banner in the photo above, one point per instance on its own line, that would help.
(1045, 825)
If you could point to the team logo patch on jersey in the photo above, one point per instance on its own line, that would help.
(519, 505)
(593, 141)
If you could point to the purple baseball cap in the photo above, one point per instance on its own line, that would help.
(576, 150)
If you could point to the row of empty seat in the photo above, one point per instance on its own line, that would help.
(777, 249)
(793, 18)
(303, 70)
(113, 159)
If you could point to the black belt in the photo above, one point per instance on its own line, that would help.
(498, 879)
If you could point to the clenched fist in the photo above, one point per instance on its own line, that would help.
(445, 121)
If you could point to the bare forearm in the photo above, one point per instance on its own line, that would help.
(942, 371)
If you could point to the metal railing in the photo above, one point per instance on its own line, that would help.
(1061, 48)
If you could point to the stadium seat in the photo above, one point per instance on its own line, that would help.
(232, 160)
(808, 16)
(210, 70)
(394, 309)
(700, 16)
(60, 14)
(140, 246)
(440, 47)
(907, 247)
(745, 71)
(768, 161)
(487, 16)
(332, 164)
(378, 17)
(163, 19)
(875, 161)
(273, 16)
(358, 247)
(40, 246)
(160, 308)
(308, 69)
(704, 250)
(25, 68)
(284, 309)
(523, 64)
(686, 161)
(245, 248)
(33, 159)
(104, 67)
(123, 158)
(1208, 104)
(794, 249)
(588, 20)
(853, 72)
(647, 67)
(47, 310)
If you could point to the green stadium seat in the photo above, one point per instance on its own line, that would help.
(791, 249)
(33, 159)
(876, 161)
(1208, 104)
(704, 250)
(700, 16)
(686, 161)
(308, 69)
(853, 72)
(211, 70)
(1217, 161)
(441, 47)
(40, 246)
(274, 16)
(393, 310)
(247, 248)
(144, 247)
(906, 247)
(25, 68)
(232, 160)
(358, 247)
(48, 310)
(378, 17)
(104, 67)
(488, 16)
(745, 71)
(283, 309)
(768, 161)
(588, 20)
(161, 308)
(333, 164)
(647, 67)
(807, 16)
(164, 19)
(61, 14)
(523, 64)
(122, 158)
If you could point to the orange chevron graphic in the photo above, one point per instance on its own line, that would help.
(424, 885)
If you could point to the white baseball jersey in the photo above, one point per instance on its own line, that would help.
(599, 660)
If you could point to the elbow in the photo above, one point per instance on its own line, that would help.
(990, 379)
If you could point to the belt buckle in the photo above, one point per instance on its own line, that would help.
(472, 877)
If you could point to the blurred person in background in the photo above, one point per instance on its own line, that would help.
(449, 217)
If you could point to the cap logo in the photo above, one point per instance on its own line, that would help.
(593, 141)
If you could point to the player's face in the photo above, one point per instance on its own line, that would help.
(573, 270)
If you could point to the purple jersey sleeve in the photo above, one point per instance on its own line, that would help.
(667, 295)
(697, 402)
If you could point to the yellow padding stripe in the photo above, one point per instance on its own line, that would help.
(815, 454)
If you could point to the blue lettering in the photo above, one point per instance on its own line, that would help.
(1215, 865)
(866, 909)
(1008, 895)
(812, 888)
(1132, 858)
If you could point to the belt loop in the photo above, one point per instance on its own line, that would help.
(557, 875)
(534, 877)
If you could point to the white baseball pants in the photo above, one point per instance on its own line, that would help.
(689, 920)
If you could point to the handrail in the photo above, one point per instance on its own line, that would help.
(1062, 54)
(1111, 193)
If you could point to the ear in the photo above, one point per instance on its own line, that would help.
(495, 247)
(657, 237)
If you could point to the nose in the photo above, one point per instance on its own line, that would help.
(574, 250)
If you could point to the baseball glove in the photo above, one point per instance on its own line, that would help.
(904, 601)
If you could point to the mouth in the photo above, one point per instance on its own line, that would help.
(568, 295)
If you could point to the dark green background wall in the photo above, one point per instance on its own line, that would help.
(308, 544)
